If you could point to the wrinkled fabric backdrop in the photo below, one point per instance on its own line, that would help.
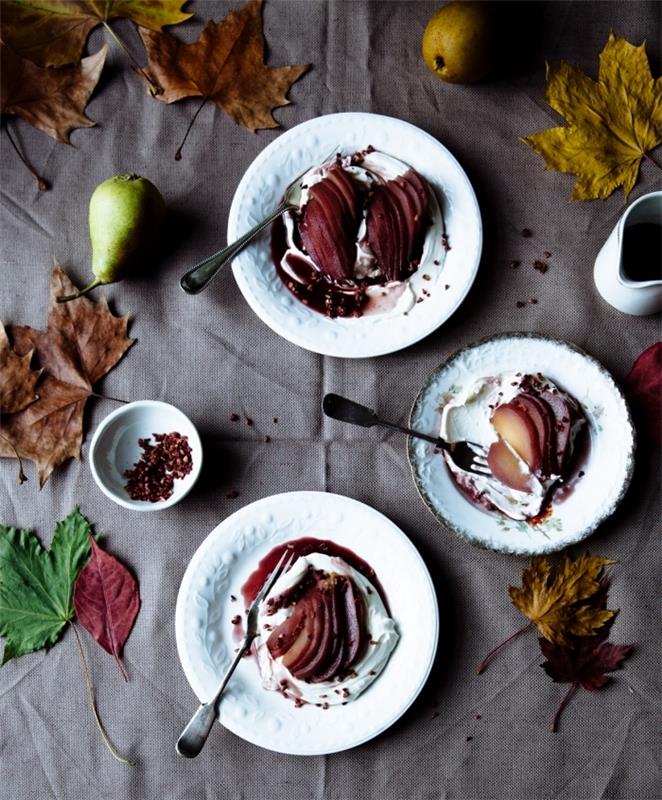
(211, 356)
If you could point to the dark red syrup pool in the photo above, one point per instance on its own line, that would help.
(303, 547)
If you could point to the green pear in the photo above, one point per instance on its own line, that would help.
(126, 213)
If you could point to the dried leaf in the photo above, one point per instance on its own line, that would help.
(586, 663)
(106, 600)
(644, 389)
(226, 65)
(555, 600)
(54, 32)
(613, 122)
(17, 378)
(82, 342)
(52, 99)
(36, 585)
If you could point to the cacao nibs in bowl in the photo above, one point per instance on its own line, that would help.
(153, 475)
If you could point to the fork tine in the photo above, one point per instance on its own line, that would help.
(283, 562)
(478, 449)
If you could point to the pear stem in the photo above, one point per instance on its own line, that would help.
(67, 297)
(154, 89)
(178, 154)
(41, 183)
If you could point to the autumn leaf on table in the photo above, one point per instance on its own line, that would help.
(106, 600)
(612, 123)
(226, 65)
(17, 378)
(41, 591)
(83, 341)
(554, 599)
(54, 32)
(51, 99)
(644, 389)
(36, 585)
(585, 664)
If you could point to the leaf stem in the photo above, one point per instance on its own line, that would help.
(178, 154)
(488, 658)
(653, 160)
(154, 89)
(566, 699)
(107, 397)
(22, 477)
(42, 185)
(90, 694)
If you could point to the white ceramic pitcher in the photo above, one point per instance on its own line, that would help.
(627, 295)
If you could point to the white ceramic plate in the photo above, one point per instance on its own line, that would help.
(205, 634)
(262, 188)
(608, 469)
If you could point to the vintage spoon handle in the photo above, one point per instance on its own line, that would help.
(197, 278)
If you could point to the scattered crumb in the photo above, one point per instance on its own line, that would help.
(540, 266)
(520, 304)
(547, 254)
(426, 277)
(435, 714)
(470, 738)
(236, 619)
(232, 494)
(233, 598)
(514, 264)
(249, 422)
(275, 420)
(436, 262)
(234, 417)
(533, 301)
(526, 233)
(447, 286)
(266, 439)
(581, 473)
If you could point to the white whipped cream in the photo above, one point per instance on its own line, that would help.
(467, 418)
(381, 631)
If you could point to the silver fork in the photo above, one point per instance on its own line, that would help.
(197, 278)
(194, 735)
(468, 456)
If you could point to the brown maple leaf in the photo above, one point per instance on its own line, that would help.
(83, 341)
(225, 64)
(54, 32)
(556, 600)
(585, 663)
(17, 378)
(52, 99)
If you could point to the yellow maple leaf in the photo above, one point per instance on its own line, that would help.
(613, 122)
(555, 600)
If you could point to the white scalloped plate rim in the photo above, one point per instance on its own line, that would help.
(204, 632)
(608, 470)
(262, 187)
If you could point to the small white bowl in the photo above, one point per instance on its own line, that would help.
(115, 449)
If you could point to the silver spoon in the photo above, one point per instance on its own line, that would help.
(196, 279)
(194, 735)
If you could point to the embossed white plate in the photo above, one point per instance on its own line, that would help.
(262, 187)
(205, 634)
(608, 468)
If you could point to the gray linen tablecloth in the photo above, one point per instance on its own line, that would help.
(211, 356)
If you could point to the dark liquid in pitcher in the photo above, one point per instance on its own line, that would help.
(642, 251)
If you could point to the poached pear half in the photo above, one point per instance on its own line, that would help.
(126, 214)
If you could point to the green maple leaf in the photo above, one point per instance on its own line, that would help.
(36, 585)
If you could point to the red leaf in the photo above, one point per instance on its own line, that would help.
(586, 663)
(644, 389)
(107, 600)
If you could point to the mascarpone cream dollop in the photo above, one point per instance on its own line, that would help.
(467, 417)
(381, 633)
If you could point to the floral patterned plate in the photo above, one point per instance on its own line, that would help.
(448, 277)
(206, 636)
(607, 470)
